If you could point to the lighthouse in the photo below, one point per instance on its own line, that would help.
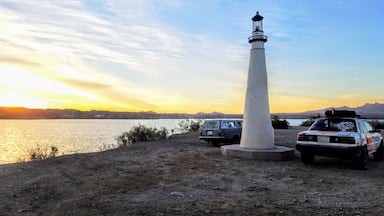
(257, 126)
(257, 138)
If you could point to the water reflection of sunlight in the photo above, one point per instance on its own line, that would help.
(70, 136)
(12, 143)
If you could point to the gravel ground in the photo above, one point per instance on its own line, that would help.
(185, 176)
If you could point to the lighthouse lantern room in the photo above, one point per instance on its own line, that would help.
(257, 33)
(257, 22)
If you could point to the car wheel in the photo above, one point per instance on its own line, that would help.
(378, 155)
(307, 158)
(361, 162)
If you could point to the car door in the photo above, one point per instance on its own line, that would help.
(371, 137)
(374, 135)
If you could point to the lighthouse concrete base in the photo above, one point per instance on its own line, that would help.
(276, 153)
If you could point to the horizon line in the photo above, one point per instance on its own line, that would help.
(150, 111)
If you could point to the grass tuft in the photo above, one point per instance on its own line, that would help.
(43, 152)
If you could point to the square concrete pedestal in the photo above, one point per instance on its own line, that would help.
(276, 153)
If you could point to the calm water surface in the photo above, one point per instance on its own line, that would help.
(70, 135)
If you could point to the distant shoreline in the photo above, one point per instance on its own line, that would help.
(371, 111)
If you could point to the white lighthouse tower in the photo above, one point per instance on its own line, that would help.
(257, 125)
(257, 138)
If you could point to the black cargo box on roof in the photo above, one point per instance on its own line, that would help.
(341, 113)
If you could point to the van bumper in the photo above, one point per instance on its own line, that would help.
(212, 138)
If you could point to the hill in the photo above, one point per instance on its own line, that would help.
(374, 110)
(368, 110)
(26, 113)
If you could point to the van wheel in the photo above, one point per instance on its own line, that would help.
(378, 155)
(215, 143)
(361, 162)
(307, 158)
(235, 140)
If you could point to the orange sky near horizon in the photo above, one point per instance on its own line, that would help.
(24, 88)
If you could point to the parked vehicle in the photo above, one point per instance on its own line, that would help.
(341, 134)
(217, 131)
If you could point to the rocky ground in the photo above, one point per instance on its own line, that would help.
(184, 176)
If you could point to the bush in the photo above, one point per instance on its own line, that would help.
(307, 122)
(187, 125)
(141, 133)
(279, 124)
(43, 153)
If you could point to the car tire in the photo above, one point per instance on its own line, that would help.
(361, 161)
(307, 157)
(378, 155)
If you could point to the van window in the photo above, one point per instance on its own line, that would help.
(239, 124)
(211, 125)
(229, 124)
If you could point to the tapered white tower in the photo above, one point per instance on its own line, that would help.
(257, 138)
(257, 126)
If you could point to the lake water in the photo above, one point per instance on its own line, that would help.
(70, 135)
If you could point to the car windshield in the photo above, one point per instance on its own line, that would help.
(334, 124)
(211, 125)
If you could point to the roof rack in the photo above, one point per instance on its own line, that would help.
(341, 113)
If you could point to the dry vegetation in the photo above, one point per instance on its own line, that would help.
(183, 176)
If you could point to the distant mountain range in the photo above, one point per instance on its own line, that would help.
(375, 110)
(27, 113)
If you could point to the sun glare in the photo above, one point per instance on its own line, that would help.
(25, 88)
(16, 100)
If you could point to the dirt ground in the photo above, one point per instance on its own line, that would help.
(184, 176)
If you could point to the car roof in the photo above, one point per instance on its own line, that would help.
(223, 120)
(349, 118)
(341, 114)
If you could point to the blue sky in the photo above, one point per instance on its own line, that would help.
(188, 56)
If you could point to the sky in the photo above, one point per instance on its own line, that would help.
(188, 56)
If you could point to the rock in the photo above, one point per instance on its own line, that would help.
(177, 195)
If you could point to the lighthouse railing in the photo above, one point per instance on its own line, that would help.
(258, 38)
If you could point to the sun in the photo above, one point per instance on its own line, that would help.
(17, 87)
(19, 100)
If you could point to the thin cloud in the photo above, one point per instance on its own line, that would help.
(71, 31)
(17, 61)
(172, 53)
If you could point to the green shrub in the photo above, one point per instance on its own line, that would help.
(188, 125)
(278, 123)
(307, 122)
(43, 153)
(376, 124)
(141, 133)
